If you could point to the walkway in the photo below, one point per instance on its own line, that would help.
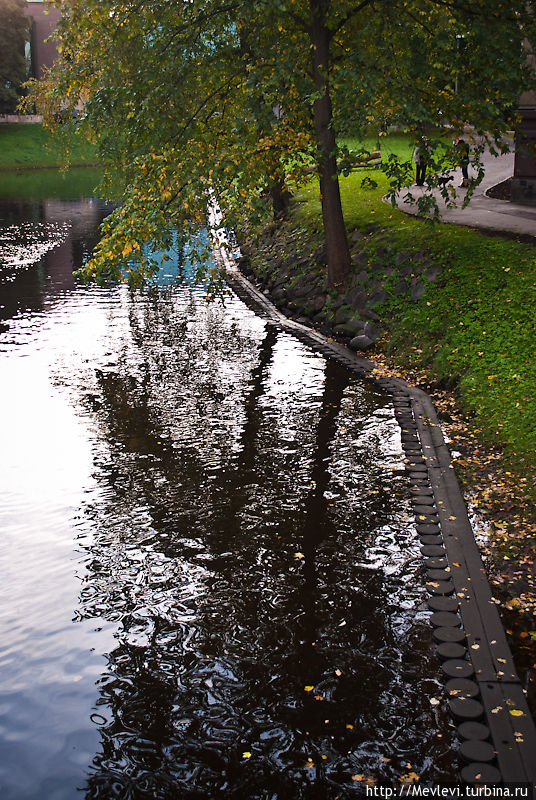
(484, 212)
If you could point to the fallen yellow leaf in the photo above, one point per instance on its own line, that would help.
(410, 777)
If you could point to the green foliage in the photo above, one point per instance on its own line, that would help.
(14, 33)
(243, 99)
(369, 183)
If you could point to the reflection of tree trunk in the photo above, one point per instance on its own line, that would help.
(232, 481)
(317, 524)
(338, 253)
(251, 428)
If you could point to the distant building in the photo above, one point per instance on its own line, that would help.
(41, 54)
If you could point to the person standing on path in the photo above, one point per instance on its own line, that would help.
(421, 156)
(463, 154)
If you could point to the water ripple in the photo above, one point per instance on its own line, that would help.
(211, 573)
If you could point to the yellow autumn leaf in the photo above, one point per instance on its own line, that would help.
(516, 713)
(247, 754)
(410, 777)
(308, 688)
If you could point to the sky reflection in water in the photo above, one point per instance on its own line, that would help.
(203, 519)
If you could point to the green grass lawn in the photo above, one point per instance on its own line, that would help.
(32, 146)
(475, 329)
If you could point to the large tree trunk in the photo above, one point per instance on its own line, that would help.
(280, 197)
(338, 253)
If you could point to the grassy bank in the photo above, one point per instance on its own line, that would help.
(32, 146)
(474, 330)
(469, 339)
(44, 184)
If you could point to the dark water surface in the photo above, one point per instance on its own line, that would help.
(211, 583)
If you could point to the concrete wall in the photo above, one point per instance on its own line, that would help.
(30, 119)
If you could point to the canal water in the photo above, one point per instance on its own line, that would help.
(211, 582)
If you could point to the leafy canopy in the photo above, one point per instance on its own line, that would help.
(241, 98)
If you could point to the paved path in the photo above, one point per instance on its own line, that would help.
(484, 212)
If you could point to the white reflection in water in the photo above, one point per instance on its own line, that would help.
(164, 461)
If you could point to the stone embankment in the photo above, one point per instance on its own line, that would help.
(298, 287)
(497, 737)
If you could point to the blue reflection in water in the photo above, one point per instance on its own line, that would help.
(181, 261)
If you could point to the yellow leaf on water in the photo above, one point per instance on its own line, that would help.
(410, 777)
(516, 713)
(299, 555)
(247, 754)
(308, 688)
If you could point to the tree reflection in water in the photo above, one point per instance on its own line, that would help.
(251, 542)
